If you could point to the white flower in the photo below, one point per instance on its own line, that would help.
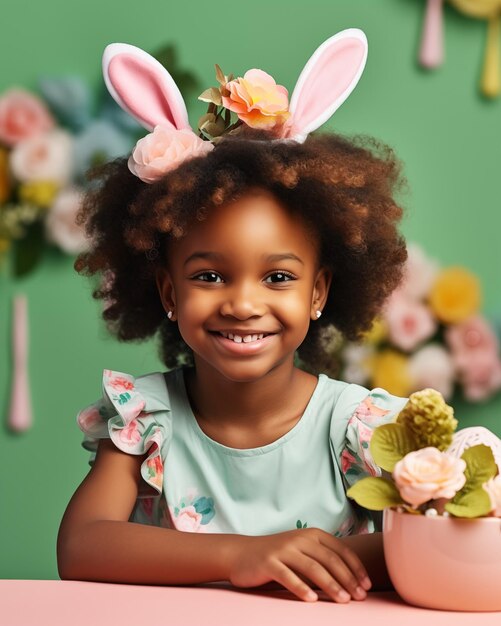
(60, 224)
(432, 366)
(44, 157)
(357, 363)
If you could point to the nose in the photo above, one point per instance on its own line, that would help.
(242, 300)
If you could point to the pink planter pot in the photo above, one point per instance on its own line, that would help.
(444, 563)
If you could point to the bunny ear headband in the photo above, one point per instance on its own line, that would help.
(146, 90)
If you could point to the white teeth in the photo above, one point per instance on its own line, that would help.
(240, 339)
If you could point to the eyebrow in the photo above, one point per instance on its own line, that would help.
(215, 256)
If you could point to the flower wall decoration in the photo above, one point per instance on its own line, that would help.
(48, 141)
(431, 334)
(431, 53)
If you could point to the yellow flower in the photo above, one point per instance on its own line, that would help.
(455, 295)
(376, 333)
(4, 176)
(4, 245)
(40, 192)
(429, 418)
(390, 371)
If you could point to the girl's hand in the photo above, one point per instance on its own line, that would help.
(307, 552)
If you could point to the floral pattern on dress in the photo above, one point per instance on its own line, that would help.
(193, 513)
(356, 460)
(120, 415)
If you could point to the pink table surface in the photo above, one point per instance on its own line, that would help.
(77, 603)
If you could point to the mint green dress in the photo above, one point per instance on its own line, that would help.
(192, 483)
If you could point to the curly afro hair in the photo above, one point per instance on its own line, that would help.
(344, 190)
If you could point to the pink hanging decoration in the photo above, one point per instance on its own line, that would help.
(20, 413)
(431, 53)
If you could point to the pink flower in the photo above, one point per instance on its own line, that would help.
(90, 420)
(44, 157)
(130, 434)
(120, 383)
(369, 412)
(347, 460)
(475, 351)
(432, 366)
(188, 520)
(493, 488)
(163, 150)
(155, 468)
(419, 274)
(258, 100)
(409, 322)
(22, 116)
(60, 224)
(429, 474)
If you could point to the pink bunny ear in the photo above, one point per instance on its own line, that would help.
(143, 87)
(326, 81)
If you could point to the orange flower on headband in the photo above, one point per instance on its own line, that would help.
(257, 100)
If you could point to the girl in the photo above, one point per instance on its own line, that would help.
(244, 253)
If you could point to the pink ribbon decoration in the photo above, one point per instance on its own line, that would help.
(431, 53)
(20, 413)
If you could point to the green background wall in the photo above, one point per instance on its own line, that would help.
(447, 135)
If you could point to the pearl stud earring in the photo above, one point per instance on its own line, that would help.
(169, 314)
(319, 313)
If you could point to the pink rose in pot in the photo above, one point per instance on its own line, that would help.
(22, 116)
(163, 150)
(428, 474)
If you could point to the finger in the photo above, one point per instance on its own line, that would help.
(320, 576)
(338, 568)
(349, 557)
(288, 579)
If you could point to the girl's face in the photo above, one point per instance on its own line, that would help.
(249, 269)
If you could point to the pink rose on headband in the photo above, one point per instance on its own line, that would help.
(428, 474)
(163, 150)
(257, 100)
(22, 116)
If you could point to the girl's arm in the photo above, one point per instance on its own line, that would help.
(97, 542)
(369, 549)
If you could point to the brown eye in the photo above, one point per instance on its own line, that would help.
(208, 277)
(280, 277)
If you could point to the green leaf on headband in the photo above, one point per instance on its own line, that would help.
(475, 503)
(375, 494)
(390, 443)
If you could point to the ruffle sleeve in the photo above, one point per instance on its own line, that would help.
(357, 413)
(135, 414)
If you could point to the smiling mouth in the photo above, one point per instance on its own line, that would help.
(241, 338)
